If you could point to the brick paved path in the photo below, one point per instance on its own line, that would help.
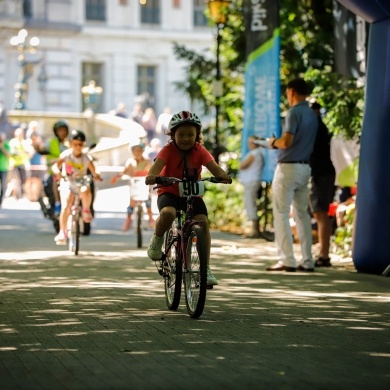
(99, 320)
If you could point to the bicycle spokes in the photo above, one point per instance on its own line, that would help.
(171, 269)
(195, 276)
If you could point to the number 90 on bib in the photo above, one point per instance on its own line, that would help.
(191, 188)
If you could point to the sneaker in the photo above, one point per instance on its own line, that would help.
(211, 279)
(154, 250)
(57, 208)
(61, 238)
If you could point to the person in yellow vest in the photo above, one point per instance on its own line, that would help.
(19, 159)
(53, 148)
(5, 154)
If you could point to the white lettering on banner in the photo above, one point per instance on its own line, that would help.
(265, 119)
(361, 48)
(258, 15)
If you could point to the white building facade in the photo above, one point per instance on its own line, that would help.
(124, 46)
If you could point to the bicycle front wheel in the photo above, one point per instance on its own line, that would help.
(74, 234)
(139, 225)
(172, 269)
(195, 274)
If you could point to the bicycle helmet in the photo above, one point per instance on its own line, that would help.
(60, 123)
(182, 118)
(77, 135)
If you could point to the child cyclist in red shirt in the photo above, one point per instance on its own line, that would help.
(183, 153)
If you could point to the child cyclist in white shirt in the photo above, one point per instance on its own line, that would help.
(73, 164)
(183, 153)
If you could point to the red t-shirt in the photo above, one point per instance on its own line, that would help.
(174, 163)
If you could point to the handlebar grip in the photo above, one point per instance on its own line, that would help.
(219, 179)
(160, 180)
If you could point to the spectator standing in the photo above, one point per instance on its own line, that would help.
(153, 149)
(5, 154)
(149, 123)
(5, 125)
(19, 158)
(251, 167)
(137, 113)
(162, 124)
(291, 178)
(37, 163)
(322, 187)
(121, 110)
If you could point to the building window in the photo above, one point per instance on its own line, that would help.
(27, 9)
(150, 12)
(92, 71)
(146, 88)
(95, 9)
(199, 16)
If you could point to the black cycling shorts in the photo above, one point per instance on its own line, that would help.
(168, 199)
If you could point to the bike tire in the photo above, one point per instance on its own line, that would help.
(139, 226)
(195, 274)
(56, 224)
(86, 230)
(172, 270)
(74, 235)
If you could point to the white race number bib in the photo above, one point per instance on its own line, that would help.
(191, 188)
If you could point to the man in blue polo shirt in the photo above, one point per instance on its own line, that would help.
(291, 178)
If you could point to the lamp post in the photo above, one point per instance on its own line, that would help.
(91, 93)
(217, 10)
(23, 46)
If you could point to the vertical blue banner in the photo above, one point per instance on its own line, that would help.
(262, 80)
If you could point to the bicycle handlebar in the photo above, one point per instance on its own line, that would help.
(167, 180)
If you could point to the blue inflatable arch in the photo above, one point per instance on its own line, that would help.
(371, 244)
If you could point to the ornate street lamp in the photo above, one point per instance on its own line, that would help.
(91, 93)
(23, 46)
(218, 13)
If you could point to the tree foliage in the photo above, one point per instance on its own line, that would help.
(307, 40)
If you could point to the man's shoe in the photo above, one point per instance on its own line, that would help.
(279, 266)
(303, 269)
(211, 279)
(322, 262)
(154, 250)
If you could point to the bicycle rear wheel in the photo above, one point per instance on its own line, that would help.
(139, 225)
(172, 269)
(195, 274)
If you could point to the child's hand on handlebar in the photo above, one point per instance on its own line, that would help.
(225, 178)
(150, 180)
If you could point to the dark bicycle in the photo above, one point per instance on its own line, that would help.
(185, 250)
